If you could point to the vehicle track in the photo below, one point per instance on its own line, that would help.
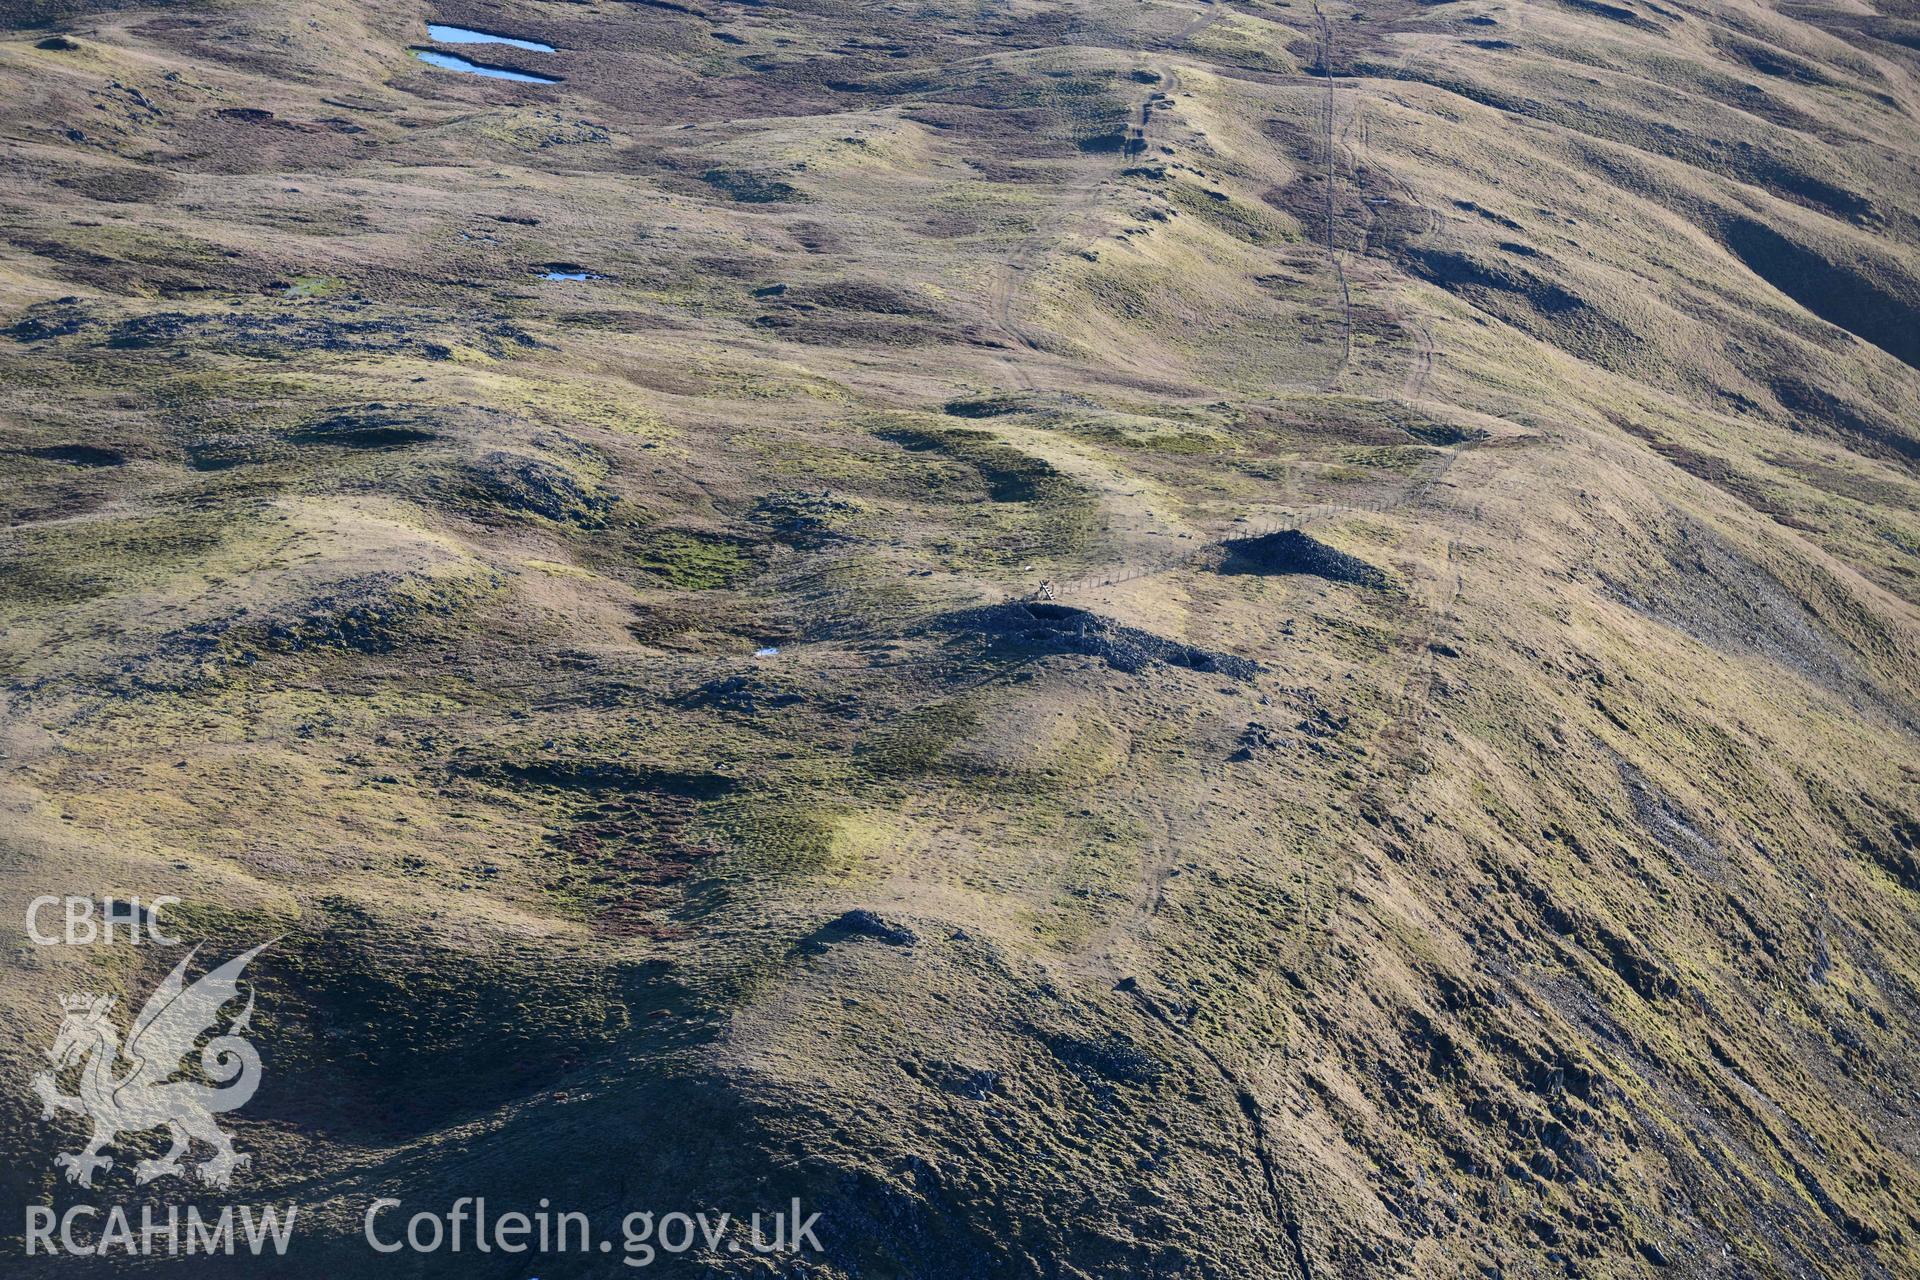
(1334, 260)
(1004, 287)
(1399, 738)
(1281, 1203)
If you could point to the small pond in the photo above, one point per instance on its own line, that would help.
(440, 34)
(453, 62)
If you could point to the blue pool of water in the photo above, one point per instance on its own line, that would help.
(440, 34)
(453, 62)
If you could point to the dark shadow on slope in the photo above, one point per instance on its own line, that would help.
(1881, 436)
(81, 455)
(1863, 307)
(1534, 305)
(380, 1033)
(1029, 628)
(1712, 591)
(374, 427)
(856, 924)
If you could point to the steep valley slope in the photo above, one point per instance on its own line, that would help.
(565, 560)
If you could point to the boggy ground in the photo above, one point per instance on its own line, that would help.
(1528, 887)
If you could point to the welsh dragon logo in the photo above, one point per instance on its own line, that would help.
(142, 1095)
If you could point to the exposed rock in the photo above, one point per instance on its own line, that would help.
(1290, 551)
(1027, 627)
(863, 923)
(535, 486)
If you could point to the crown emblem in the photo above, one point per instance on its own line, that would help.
(169, 1030)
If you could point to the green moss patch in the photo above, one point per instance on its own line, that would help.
(689, 560)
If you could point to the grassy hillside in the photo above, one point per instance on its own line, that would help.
(1514, 873)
